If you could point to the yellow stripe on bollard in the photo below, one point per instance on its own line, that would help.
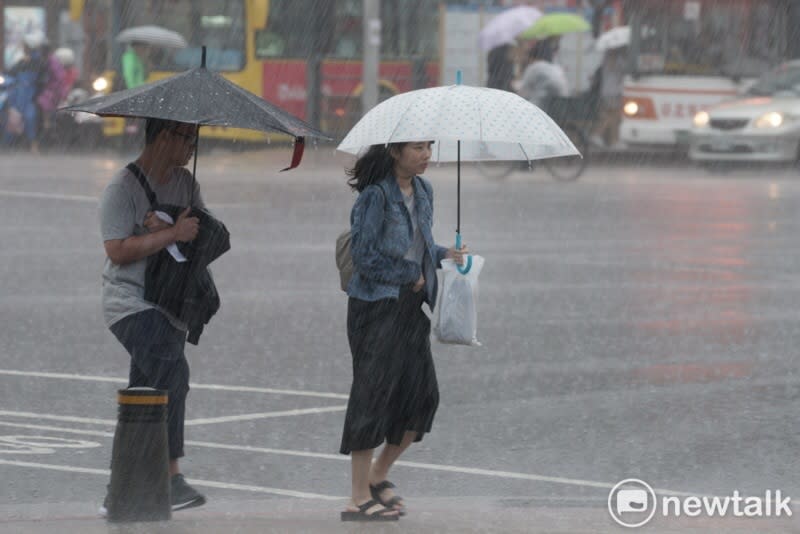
(141, 399)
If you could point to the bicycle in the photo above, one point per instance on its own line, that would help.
(574, 115)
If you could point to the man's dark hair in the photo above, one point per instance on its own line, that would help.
(155, 126)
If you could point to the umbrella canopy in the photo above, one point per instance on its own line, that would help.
(613, 39)
(202, 97)
(466, 123)
(555, 24)
(504, 27)
(469, 123)
(152, 35)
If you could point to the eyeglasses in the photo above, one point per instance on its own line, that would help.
(191, 138)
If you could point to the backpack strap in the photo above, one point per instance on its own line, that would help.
(137, 172)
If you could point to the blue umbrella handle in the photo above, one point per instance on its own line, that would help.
(463, 269)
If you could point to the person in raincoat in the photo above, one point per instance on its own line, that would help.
(30, 75)
(543, 78)
(134, 73)
(394, 394)
(132, 232)
(55, 87)
(67, 59)
(134, 66)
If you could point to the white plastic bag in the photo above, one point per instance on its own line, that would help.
(456, 318)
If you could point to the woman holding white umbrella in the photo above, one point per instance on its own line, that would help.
(394, 394)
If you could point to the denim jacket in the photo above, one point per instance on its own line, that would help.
(381, 234)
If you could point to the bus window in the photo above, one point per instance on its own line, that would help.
(408, 28)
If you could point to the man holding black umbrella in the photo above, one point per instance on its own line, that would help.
(132, 232)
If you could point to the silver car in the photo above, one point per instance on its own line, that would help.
(763, 125)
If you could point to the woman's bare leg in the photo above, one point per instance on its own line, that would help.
(388, 456)
(360, 466)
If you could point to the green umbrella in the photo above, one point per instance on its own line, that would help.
(556, 24)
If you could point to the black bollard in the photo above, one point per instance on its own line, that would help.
(139, 488)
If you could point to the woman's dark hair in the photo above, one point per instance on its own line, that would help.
(372, 166)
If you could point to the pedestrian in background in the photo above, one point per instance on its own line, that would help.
(134, 65)
(501, 67)
(134, 74)
(67, 59)
(543, 79)
(30, 76)
(131, 232)
(394, 394)
(610, 82)
(54, 90)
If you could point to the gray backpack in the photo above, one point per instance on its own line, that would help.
(344, 260)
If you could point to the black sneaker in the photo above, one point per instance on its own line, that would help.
(183, 495)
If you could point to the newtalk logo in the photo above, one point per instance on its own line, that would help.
(632, 503)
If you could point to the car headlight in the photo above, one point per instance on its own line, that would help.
(773, 119)
(2, 79)
(631, 108)
(100, 84)
(701, 119)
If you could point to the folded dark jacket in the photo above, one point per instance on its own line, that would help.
(187, 289)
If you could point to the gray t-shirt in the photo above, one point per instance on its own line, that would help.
(416, 251)
(122, 211)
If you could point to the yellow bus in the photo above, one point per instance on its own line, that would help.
(225, 27)
(301, 55)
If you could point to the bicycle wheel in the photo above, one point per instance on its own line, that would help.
(497, 170)
(569, 168)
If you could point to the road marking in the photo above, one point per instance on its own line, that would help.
(64, 418)
(189, 422)
(41, 444)
(48, 196)
(211, 387)
(263, 489)
(264, 415)
(342, 457)
(193, 481)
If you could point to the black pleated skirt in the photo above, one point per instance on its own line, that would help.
(394, 381)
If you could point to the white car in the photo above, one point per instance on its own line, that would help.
(763, 125)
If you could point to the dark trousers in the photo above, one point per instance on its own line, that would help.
(157, 361)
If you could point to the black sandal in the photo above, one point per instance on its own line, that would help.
(395, 503)
(362, 515)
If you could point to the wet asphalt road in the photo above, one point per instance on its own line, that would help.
(641, 322)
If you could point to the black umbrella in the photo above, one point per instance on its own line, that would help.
(202, 97)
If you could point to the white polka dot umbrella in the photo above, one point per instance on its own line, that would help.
(488, 124)
(465, 123)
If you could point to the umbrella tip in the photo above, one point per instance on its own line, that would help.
(458, 77)
(203, 59)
